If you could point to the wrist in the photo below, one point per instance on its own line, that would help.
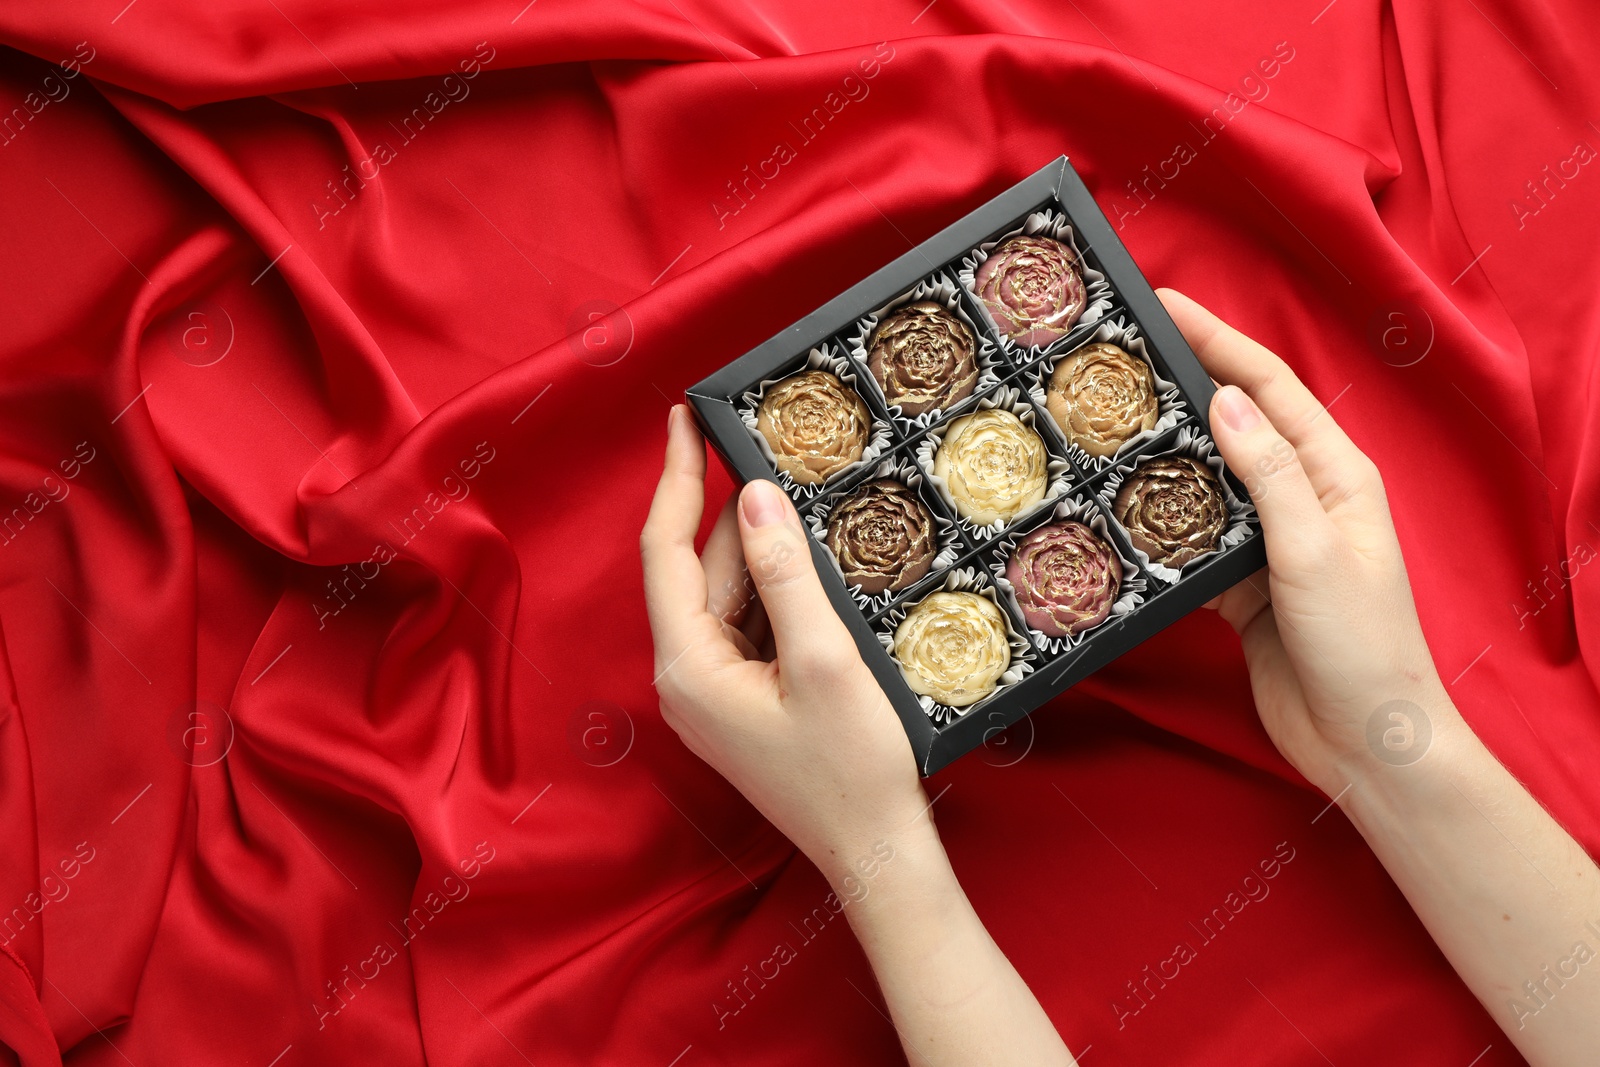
(853, 864)
(1413, 771)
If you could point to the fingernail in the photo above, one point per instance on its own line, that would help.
(1237, 409)
(763, 504)
(672, 418)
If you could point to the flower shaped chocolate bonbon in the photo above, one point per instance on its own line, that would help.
(815, 425)
(1100, 396)
(953, 648)
(1032, 288)
(883, 537)
(993, 464)
(1173, 510)
(1065, 577)
(923, 357)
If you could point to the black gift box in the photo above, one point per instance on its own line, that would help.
(1120, 305)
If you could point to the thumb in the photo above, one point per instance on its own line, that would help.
(805, 628)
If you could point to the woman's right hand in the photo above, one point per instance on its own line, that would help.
(1346, 688)
(1329, 629)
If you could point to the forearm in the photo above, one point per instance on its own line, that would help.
(953, 996)
(1511, 899)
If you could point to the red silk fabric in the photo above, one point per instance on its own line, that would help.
(328, 727)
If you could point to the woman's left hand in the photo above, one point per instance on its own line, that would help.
(808, 736)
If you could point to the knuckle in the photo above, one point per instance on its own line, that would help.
(1358, 483)
(666, 685)
(1320, 552)
(838, 655)
(1372, 478)
(1279, 460)
(1274, 464)
(675, 674)
(1270, 374)
(1342, 493)
(826, 657)
(651, 537)
(779, 562)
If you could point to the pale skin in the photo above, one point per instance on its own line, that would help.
(771, 691)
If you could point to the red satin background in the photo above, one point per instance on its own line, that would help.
(407, 334)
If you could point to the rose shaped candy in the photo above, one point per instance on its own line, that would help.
(1100, 396)
(882, 536)
(923, 357)
(952, 647)
(815, 425)
(1172, 509)
(1032, 289)
(1066, 578)
(993, 464)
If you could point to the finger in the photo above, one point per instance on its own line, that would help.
(1331, 459)
(755, 627)
(1232, 358)
(674, 582)
(1292, 517)
(1240, 605)
(746, 648)
(723, 559)
(807, 633)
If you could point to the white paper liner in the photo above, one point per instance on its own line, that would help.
(945, 537)
(1196, 445)
(1171, 407)
(1058, 471)
(826, 358)
(1048, 223)
(963, 580)
(941, 290)
(1130, 593)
